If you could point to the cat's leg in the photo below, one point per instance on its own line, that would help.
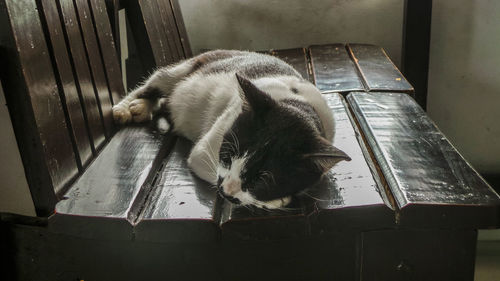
(204, 157)
(139, 105)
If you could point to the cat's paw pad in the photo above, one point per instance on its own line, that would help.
(121, 114)
(140, 110)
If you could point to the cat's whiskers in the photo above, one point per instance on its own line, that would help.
(312, 197)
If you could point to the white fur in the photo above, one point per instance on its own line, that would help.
(204, 107)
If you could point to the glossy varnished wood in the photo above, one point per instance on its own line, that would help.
(82, 70)
(34, 104)
(96, 65)
(67, 80)
(430, 181)
(181, 207)
(165, 23)
(350, 196)
(108, 49)
(186, 47)
(377, 70)
(296, 58)
(155, 32)
(106, 192)
(333, 69)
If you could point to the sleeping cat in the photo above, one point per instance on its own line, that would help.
(261, 132)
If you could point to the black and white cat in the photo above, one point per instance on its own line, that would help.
(261, 132)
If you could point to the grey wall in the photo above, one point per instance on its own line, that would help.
(279, 24)
(464, 78)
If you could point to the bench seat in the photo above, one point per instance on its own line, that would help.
(141, 183)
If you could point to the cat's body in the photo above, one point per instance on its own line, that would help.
(261, 132)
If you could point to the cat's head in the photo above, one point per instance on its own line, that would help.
(272, 152)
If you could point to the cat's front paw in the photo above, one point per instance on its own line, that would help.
(121, 114)
(141, 110)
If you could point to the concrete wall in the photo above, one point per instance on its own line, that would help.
(464, 78)
(278, 24)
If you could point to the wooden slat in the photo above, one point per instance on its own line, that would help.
(350, 195)
(181, 207)
(164, 22)
(67, 80)
(156, 34)
(333, 69)
(296, 58)
(431, 182)
(96, 65)
(106, 192)
(181, 28)
(109, 50)
(176, 37)
(377, 69)
(81, 67)
(34, 104)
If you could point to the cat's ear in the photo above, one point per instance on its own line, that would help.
(257, 99)
(327, 156)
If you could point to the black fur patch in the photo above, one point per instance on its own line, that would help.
(276, 141)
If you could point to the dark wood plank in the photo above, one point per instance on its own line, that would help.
(64, 73)
(110, 54)
(181, 28)
(176, 37)
(34, 104)
(181, 206)
(431, 254)
(333, 69)
(351, 195)
(82, 70)
(377, 69)
(165, 12)
(155, 32)
(96, 65)
(105, 193)
(296, 58)
(431, 182)
(416, 45)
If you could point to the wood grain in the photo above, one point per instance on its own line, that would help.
(431, 182)
(333, 69)
(81, 67)
(67, 80)
(377, 70)
(34, 104)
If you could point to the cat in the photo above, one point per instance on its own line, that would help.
(261, 132)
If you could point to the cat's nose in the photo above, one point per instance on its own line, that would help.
(231, 186)
(229, 198)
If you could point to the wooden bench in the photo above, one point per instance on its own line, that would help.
(120, 203)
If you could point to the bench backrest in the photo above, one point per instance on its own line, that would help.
(158, 31)
(61, 76)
